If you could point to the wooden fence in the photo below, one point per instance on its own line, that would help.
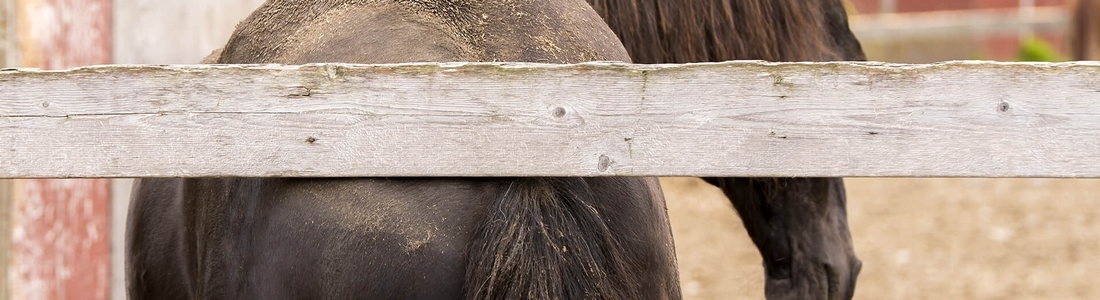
(959, 119)
(177, 31)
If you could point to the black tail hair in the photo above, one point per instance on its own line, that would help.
(543, 239)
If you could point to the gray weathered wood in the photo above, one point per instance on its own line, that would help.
(729, 119)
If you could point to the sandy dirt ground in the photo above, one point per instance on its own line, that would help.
(918, 239)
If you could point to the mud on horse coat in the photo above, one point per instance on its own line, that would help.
(799, 224)
(414, 238)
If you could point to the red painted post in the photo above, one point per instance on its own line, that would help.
(61, 234)
(57, 34)
(60, 242)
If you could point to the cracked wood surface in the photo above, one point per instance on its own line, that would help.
(958, 119)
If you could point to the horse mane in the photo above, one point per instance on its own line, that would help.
(682, 31)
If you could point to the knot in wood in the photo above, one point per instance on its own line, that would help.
(559, 112)
(605, 163)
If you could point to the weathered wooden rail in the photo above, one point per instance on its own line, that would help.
(973, 119)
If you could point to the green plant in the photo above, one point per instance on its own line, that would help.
(1035, 49)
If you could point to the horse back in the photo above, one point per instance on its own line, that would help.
(298, 32)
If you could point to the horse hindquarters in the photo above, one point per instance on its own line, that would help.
(155, 265)
(398, 239)
(257, 238)
(574, 238)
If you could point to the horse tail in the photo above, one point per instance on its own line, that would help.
(544, 239)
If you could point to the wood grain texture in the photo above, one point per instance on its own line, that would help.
(977, 119)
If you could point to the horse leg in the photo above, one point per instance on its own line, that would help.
(800, 227)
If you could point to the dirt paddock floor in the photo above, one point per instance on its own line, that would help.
(918, 239)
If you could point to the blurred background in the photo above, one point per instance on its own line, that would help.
(918, 238)
(925, 31)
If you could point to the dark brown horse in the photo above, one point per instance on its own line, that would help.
(799, 224)
(416, 238)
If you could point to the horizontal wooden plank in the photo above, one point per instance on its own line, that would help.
(978, 119)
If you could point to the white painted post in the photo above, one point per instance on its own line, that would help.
(163, 32)
(120, 203)
(174, 32)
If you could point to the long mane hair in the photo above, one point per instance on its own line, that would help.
(684, 31)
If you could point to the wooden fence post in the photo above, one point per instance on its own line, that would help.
(60, 241)
(5, 235)
(5, 185)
